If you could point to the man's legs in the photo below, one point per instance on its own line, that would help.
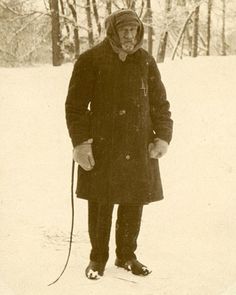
(127, 230)
(99, 224)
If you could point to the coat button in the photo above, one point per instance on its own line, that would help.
(127, 157)
(122, 112)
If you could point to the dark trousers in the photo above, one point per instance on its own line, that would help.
(127, 229)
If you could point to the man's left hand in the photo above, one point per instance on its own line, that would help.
(158, 148)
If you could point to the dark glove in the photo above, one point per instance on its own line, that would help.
(83, 155)
(158, 148)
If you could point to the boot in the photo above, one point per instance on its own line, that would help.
(134, 266)
(95, 270)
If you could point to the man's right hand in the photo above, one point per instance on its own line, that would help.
(83, 155)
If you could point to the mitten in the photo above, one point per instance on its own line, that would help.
(83, 155)
(157, 148)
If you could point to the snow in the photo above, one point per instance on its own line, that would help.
(188, 239)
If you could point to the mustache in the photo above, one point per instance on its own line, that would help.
(130, 41)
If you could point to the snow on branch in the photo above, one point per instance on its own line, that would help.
(7, 53)
(34, 48)
(24, 27)
(183, 28)
(6, 7)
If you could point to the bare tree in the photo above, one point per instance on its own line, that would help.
(181, 34)
(108, 6)
(25, 34)
(89, 22)
(130, 4)
(223, 43)
(63, 13)
(150, 29)
(164, 36)
(56, 34)
(142, 8)
(208, 38)
(195, 31)
(95, 10)
(72, 6)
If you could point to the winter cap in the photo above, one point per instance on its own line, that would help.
(118, 19)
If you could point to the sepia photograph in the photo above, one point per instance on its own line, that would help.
(118, 147)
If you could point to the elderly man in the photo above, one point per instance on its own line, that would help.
(119, 121)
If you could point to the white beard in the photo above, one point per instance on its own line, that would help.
(128, 47)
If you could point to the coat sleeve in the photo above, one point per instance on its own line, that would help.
(159, 105)
(79, 95)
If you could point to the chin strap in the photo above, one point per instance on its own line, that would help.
(72, 223)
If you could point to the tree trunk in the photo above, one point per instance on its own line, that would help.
(130, 4)
(65, 21)
(181, 33)
(189, 39)
(108, 6)
(133, 5)
(182, 46)
(161, 52)
(76, 28)
(56, 34)
(89, 22)
(150, 29)
(95, 10)
(141, 9)
(223, 43)
(209, 9)
(195, 32)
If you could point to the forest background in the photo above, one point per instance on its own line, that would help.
(57, 31)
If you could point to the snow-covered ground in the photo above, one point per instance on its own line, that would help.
(189, 239)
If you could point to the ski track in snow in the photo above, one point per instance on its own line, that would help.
(188, 239)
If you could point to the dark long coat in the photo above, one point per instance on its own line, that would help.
(122, 106)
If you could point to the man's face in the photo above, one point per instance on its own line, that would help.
(127, 35)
